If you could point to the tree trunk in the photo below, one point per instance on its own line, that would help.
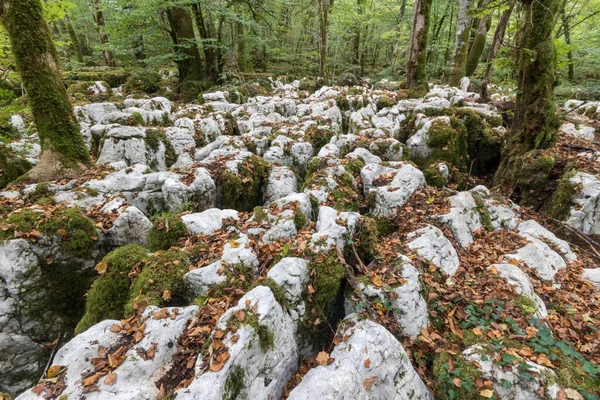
(241, 46)
(496, 43)
(74, 39)
(356, 56)
(478, 45)
(416, 69)
(461, 48)
(99, 19)
(397, 42)
(323, 25)
(206, 29)
(535, 123)
(567, 32)
(182, 32)
(36, 59)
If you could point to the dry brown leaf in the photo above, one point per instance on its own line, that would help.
(102, 268)
(367, 363)
(457, 382)
(368, 382)
(166, 295)
(110, 379)
(487, 393)
(55, 370)
(322, 358)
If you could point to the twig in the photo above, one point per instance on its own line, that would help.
(52, 355)
(361, 266)
(351, 278)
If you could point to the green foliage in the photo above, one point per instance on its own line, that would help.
(446, 368)
(167, 229)
(143, 81)
(107, 297)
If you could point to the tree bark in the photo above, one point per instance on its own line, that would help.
(461, 48)
(356, 53)
(206, 29)
(63, 148)
(496, 43)
(416, 70)
(241, 46)
(535, 123)
(99, 19)
(323, 25)
(182, 33)
(74, 39)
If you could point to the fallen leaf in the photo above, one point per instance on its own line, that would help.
(55, 370)
(311, 289)
(110, 379)
(102, 267)
(322, 358)
(487, 393)
(367, 363)
(457, 382)
(573, 394)
(368, 382)
(477, 332)
(166, 295)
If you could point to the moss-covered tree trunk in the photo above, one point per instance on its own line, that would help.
(37, 62)
(567, 32)
(478, 45)
(206, 30)
(323, 25)
(535, 123)
(496, 43)
(74, 39)
(461, 48)
(99, 19)
(416, 69)
(182, 32)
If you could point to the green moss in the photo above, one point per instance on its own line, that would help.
(237, 277)
(143, 81)
(326, 277)
(448, 143)
(11, 166)
(234, 384)
(299, 219)
(160, 283)
(41, 190)
(484, 213)
(532, 177)
(434, 177)
(483, 146)
(154, 137)
(368, 237)
(266, 337)
(569, 375)
(385, 101)
(446, 367)
(107, 297)
(137, 119)
(23, 221)
(354, 166)
(259, 214)
(79, 232)
(318, 137)
(385, 226)
(475, 54)
(343, 103)
(244, 191)
(167, 229)
(562, 200)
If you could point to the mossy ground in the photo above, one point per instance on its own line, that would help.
(107, 297)
(167, 229)
(11, 166)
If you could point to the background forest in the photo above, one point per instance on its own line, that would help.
(213, 41)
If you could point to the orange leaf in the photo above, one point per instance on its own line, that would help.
(110, 379)
(367, 383)
(322, 358)
(367, 363)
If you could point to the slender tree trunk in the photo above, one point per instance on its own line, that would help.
(535, 123)
(399, 29)
(496, 43)
(461, 48)
(241, 46)
(567, 32)
(99, 19)
(416, 69)
(63, 148)
(206, 30)
(323, 25)
(478, 44)
(182, 32)
(74, 39)
(356, 56)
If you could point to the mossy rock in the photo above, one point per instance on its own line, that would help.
(244, 191)
(434, 177)
(114, 77)
(318, 137)
(25, 220)
(154, 137)
(107, 297)
(77, 232)
(160, 283)
(11, 166)
(347, 79)
(448, 143)
(83, 88)
(385, 101)
(167, 229)
(143, 81)
(533, 175)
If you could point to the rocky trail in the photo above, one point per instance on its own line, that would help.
(330, 245)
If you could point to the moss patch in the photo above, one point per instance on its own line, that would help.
(446, 368)
(244, 190)
(11, 166)
(234, 384)
(107, 297)
(160, 282)
(19, 222)
(562, 200)
(78, 233)
(167, 229)
(154, 137)
(318, 137)
(484, 213)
